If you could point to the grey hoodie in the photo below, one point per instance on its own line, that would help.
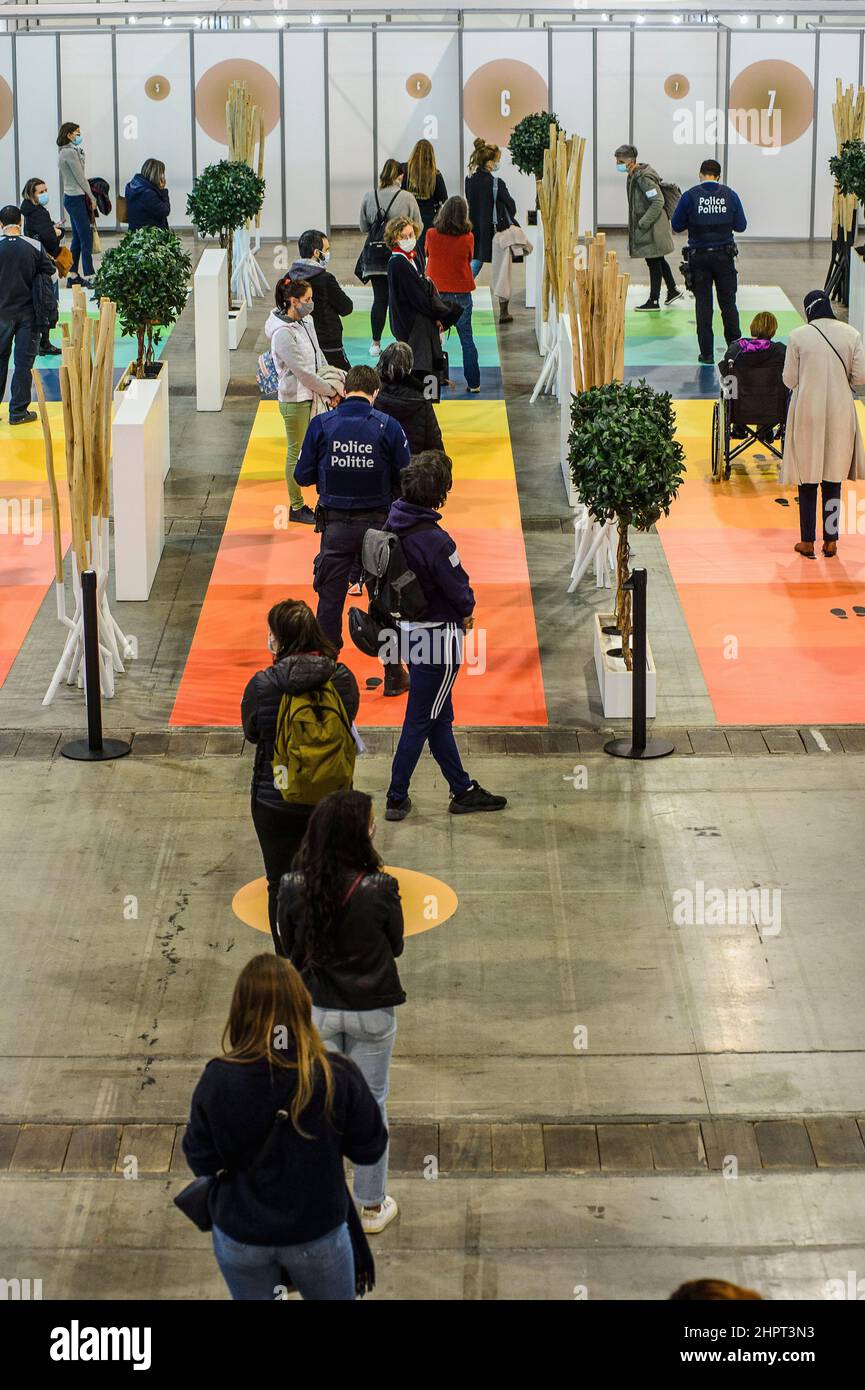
(297, 358)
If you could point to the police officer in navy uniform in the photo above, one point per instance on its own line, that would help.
(354, 455)
(710, 213)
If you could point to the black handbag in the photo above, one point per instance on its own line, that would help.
(194, 1199)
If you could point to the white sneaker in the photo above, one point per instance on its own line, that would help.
(375, 1221)
(375, 349)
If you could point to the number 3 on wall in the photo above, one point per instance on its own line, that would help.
(506, 102)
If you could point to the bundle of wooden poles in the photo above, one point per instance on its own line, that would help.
(596, 296)
(559, 201)
(245, 129)
(848, 115)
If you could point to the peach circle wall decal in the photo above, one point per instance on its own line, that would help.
(5, 107)
(211, 94)
(677, 86)
(771, 103)
(418, 85)
(426, 901)
(157, 87)
(498, 94)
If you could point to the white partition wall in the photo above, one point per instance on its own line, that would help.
(8, 178)
(87, 96)
(505, 77)
(573, 100)
(223, 58)
(418, 97)
(613, 69)
(675, 93)
(770, 130)
(37, 122)
(154, 121)
(350, 89)
(304, 113)
(837, 56)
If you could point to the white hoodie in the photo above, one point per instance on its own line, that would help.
(297, 357)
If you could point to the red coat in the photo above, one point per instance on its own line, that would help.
(449, 262)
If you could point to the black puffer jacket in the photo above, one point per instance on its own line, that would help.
(260, 707)
(359, 972)
(406, 403)
(330, 303)
(39, 226)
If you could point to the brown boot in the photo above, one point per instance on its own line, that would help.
(396, 680)
(805, 548)
(830, 548)
(504, 316)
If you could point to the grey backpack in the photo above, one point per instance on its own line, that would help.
(671, 193)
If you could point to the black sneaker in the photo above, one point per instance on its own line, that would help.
(49, 350)
(673, 296)
(649, 304)
(396, 681)
(27, 418)
(476, 799)
(397, 810)
(706, 361)
(303, 514)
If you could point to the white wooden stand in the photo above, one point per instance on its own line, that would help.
(137, 472)
(236, 325)
(856, 309)
(535, 281)
(212, 362)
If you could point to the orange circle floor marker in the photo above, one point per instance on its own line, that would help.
(426, 901)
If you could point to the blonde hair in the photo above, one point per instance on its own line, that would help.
(764, 325)
(421, 170)
(394, 228)
(482, 154)
(270, 995)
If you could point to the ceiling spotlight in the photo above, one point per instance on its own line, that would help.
(779, 19)
(279, 21)
(315, 18)
(605, 18)
(677, 19)
(743, 19)
(246, 21)
(641, 19)
(166, 23)
(133, 19)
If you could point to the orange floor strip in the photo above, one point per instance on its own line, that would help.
(259, 563)
(761, 618)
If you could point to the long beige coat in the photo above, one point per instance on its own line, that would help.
(822, 442)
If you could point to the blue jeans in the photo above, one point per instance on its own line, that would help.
(322, 1269)
(82, 234)
(429, 716)
(463, 325)
(367, 1037)
(25, 335)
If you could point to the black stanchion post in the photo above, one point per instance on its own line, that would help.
(638, 746)
(93, 749)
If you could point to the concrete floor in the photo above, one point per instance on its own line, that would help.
(566, 919)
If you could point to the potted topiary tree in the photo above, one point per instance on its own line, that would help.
(147, 276)
(530, 137)
(225, 196)
(627, 466)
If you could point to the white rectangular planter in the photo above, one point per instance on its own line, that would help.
(212, 362)
(138, 466)
(535, 274)
(856, 311)
(566, 390)
(614, 678)
(236, 325)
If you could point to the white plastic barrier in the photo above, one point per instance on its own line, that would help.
(212, 362)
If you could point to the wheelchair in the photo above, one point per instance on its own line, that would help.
(751, 407)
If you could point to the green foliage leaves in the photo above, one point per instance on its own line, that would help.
(529, 138)
(848, 168)
(623, 455)
(147, 276)
(224, 197)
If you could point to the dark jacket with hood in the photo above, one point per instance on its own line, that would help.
(296, 1193)
(38, 224)
(147, 205)
(433, 556)
(260, 707)
(405, 402)
(330, 303)
(358, 971)
(485, 219)
(26, 274)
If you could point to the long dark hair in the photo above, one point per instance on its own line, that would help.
(335, 848)
(296, 629)
(452, 218)
(65, 132)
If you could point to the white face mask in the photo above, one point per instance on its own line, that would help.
(407, 243)
(323, 257)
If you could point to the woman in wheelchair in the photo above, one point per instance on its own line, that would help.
(752, 407)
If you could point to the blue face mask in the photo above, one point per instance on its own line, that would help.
(77, 140)
(43, 199)
(621, 168)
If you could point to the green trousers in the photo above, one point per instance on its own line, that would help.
(295, 417)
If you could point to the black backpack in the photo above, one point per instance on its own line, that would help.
(395, 592)
(376, 253)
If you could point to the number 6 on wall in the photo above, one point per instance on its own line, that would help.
(506, 102)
